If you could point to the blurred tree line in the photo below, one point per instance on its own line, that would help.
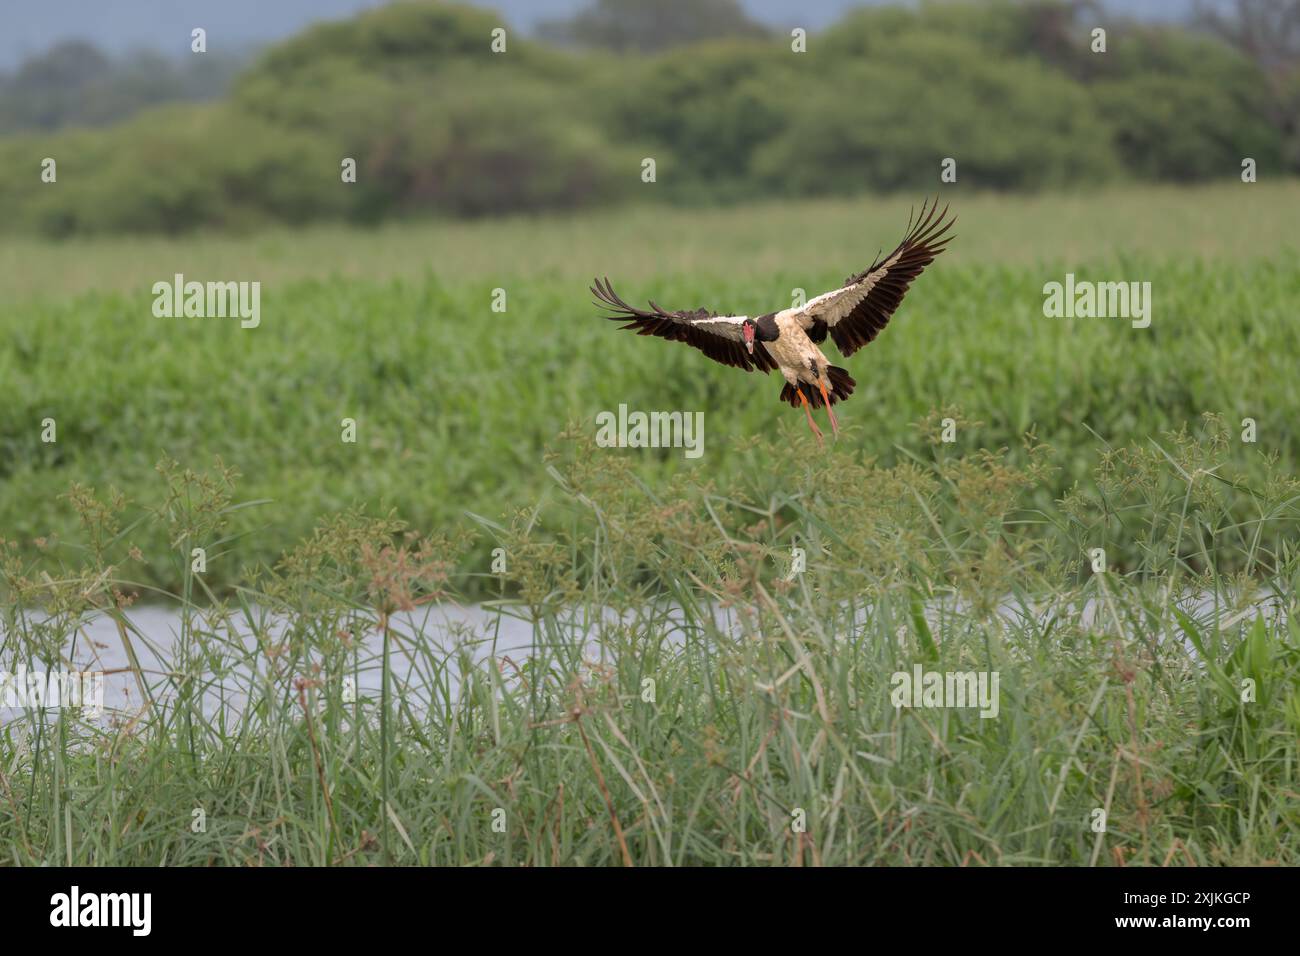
(439, 124)
(74, 84)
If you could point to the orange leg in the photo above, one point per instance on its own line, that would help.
(803, 399)
(835, 425)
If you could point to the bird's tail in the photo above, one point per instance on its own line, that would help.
(841, 388)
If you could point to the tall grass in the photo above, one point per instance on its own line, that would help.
(687, 698)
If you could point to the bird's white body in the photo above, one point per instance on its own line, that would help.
(797, 357)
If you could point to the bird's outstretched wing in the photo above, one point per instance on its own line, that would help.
(720, 337)
(857, 311)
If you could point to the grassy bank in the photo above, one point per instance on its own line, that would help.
(454, 402)
(1161, 702)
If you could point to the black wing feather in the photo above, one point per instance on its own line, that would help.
(677, 327)
(927, 237)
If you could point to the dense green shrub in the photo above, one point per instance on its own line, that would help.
(879, 124)
(1184, 108)
(439, 124)
(171, 171)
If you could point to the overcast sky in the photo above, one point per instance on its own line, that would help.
(31, 26)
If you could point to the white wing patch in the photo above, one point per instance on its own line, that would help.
(723, 326)
(833, 306)
(856, 312)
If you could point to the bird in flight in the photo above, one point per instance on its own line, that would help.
(787, 340)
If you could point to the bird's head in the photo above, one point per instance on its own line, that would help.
(749, 328)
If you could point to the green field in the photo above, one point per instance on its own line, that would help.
(812, 240)
(476, 428)
(455, 403)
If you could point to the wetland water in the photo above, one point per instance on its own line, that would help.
(455, 635)
(452, 638)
